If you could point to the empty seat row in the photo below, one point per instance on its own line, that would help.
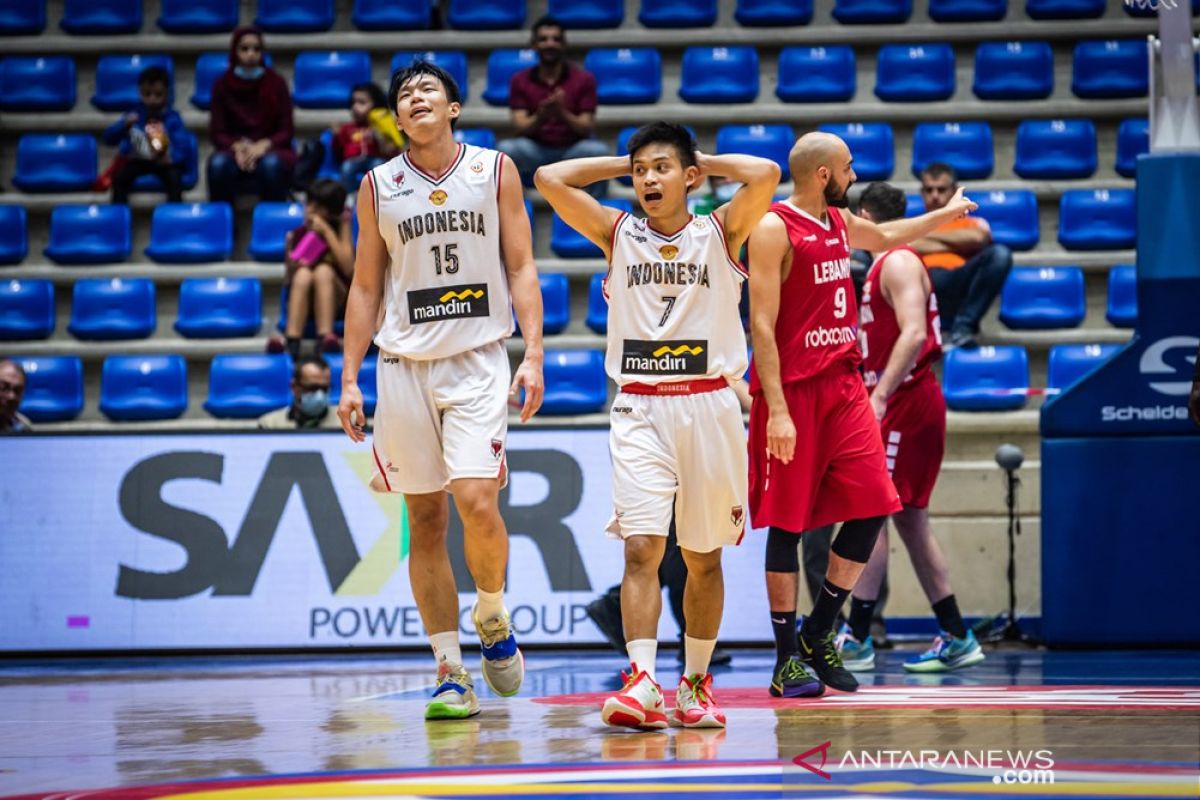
(996, 378)
(66, 162)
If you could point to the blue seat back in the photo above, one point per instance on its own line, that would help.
(1111, 68)
(480, 137)
(1064, 9)
(53, 388)
(294, 16)
(324, 79)
(1122, 307)
(816, 74)
(143, 387)
(22, 17)
(501, 66)
(678, 13)
(486, 15)
(37, 83)
(556, 302)
(26, 309)
(588, 14)
(93, 234)
(766, 141)
(719, 75)
(1043, 297)
(113, 308)
(101, 17)
(914, 205)
(872, 145)
(872, 12)
(1012, 215)
(248, 386)
(391, 15)
(1133, 139)
(626, 75)
(914, 73)
(1013, 71)
(966, 146)
(55, 162)
(183, 233)
(270, 226)
(453, 61)
(1056, 148)
(219, 307)
(773, 13)
(1070, 362)
(198, 16)
(575, 382)
(988, 378)
(967, 10)
(1097, 219)
(117, 80)
(566, 242)
(597, 313)
(14, 234)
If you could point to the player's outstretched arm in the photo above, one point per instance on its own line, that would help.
(759, 178)
(905, 287)
(362, 309)
(562, 186)
(769, 248)
(516, 247)
(865, 235)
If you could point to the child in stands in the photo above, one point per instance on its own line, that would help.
(150, 138)
(369, 139)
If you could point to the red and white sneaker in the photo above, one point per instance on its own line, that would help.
(639, 704)
(695, 706)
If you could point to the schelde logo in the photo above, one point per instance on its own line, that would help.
(1154, 362)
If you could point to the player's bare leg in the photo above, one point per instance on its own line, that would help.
(703, 603)
(639, 704)
(923, 549)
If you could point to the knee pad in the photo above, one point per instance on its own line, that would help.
(856, 539)
(782, 554)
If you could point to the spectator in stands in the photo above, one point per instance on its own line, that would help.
(369, 139)
(12, 389)
(967, 268)
(250, 125)
(553, 108)
(147, 136)
(319, 258)
(310, 400)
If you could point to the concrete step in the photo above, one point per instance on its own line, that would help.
(975, 488)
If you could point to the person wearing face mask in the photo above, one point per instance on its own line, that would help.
(250, 125)
(310, 407)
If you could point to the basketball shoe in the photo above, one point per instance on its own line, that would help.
(639, 704)
(856, 656)
(947, 653)
(793, 679)
(821, 656)
(454, 697)
(503, 666)
(695, 706)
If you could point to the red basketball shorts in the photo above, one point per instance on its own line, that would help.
(914, 439)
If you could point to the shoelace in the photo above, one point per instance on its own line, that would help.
(494, 630)
(629, 679)
(942, 642)
(701, 691)
(831, 655)
(793, 669)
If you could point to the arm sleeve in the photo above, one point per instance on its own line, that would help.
(114, 134)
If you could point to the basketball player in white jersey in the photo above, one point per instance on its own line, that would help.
(445, 243)
(675, 342)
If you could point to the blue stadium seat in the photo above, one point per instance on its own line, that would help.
(914, 205)
(26, 309)
(294, 16)
(37, 83)
(101, 17)
(310, 328)
(773, 13)
(143, 387)
(566, 242)
(1114, 68)
(14, 234)
(186, 152)
(190, 233)
(214, 308)
(453, 61)
(816, 74)
(914, 73)
(1097, 219)
(1133, 139)
(1013, 71)
(625, 76)
(678, 13)
(480, 137)
(324, 79)
(209, 67)
(966, 146)
(502, 64)
(113, 308)
(92, 234)
(22, 17)
(986, 378)
(1064, 9)
(486, 15)
(1122, 296)
(391, 15)
(1043, 297)
(53, 388)
(198, 16)
(597, 313)
(588, 14)
(1070, 362)
(366, 380)
(1012, 216)
(248, 386)
(575, 382)
(556, 302)
(55, 162)
(768, 141)
(872, 12)
(967, 10)
(117, 80)
(1056, 148)
(269, 227)
(872, 146)
(719, 75)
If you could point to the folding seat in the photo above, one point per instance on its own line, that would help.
(966, 146)
(1113, 68)
(501, 66)
(186, 152)
(989, 378)
(190, 233)
(1012, 216)
(768, 141)
(1122, 296)
(92, 234)
(486, 15)
(626, 76)
(1070, 362)
(678, 13)
(1097, 219)
(773, 13)
(556, 301)
(324, 79)
(480, 137)
(967, 10)
(209, 67)
(55, 162)
(101, 17)
(390, 15)
(14, 235)
(22, 17)
(53, 388)
(1064, 9)
(453, 61)
(117, 80)
(588, 14)
(719, 75)
(914, 73)
(914, 205)
(1056, 148)
(575, 382)
(816, 74)
(1133, 139)
(366, 380)
(872, 12)
(269, 226)
(310, 327)
(143, 387)
(872, 146)
(249, 385)
(1043, 297)
(597, 313)
(1014, 71)
(566, 242)
(198, 16)
(294, 16)
(26, 309)
(105, 309)
(214, 308)
(37, 83)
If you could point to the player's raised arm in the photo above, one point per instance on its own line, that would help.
(516, 248)
(562, 186)
(769, 248)
(759, 178)
(866, 235)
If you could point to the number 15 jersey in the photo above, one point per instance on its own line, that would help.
(446, 288)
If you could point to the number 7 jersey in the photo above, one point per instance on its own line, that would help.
(446, 287)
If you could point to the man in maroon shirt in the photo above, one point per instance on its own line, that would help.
(553, 107)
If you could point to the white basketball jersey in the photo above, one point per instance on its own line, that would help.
(446, 289)
(673, 304)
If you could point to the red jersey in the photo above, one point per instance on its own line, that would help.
(880, 330)
(353, 141)
(817, 326)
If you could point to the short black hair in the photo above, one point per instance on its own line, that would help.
(371, 90)
(305, 361)
(935, 169)
(677, 136)
(884, 201)
(546, 21)
(329, 195)
(406, 74)
(154, 74)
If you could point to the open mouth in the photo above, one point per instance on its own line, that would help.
(417, 113)
(652, 196)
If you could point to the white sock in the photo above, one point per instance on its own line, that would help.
(489, 604)
(696, 655)
(642, 653)
(445, 647)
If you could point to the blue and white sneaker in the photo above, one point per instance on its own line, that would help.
(856, 656)
(503, 666)
(947, 653)
(454, 697)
